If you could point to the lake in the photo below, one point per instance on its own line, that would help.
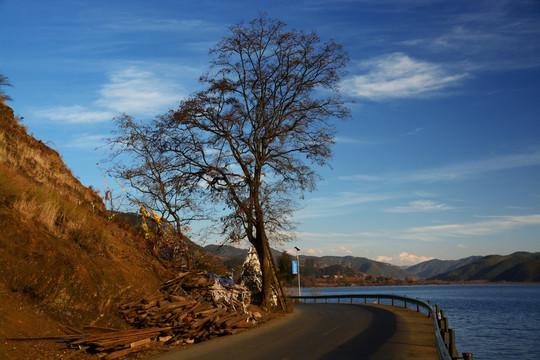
(491, 321)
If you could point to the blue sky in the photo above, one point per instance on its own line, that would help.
(441, 158)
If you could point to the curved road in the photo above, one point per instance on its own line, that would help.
(325, 331)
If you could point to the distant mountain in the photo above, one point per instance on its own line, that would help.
(226, 251)
(371, 267)
(435, 267)
(230, 252)
(313, 266)
(325, 265)
(516, 267)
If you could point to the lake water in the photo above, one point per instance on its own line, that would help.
(491, 321)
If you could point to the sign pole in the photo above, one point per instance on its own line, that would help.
(298, 270)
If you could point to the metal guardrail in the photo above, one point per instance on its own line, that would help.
(442, 347)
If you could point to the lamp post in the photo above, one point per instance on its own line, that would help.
(298, 270)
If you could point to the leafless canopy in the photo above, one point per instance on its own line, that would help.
(250, 138)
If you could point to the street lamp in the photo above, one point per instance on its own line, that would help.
(298, 270)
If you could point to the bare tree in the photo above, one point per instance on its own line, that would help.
(4, 81)
(159, 178)
(263, 118)
(249, 139)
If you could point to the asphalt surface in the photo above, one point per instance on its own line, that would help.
(326, 331)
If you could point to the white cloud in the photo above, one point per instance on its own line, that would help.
(315, 252)
(338, 204)
(461, 246)
(360, 177)
(399, 76)
(87, 142)
(403, 259)
(344, 250)
(410, 259)
(156, 25)
(420, 206)
(424, 194)
(133, 90)
(75, 114)
(458, 171)
(348, 140)
(494, 225)
(472, 168)
(415, 131)
(383, 258)
(130, 90)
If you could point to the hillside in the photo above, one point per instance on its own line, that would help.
(371, 267)
(430, 268)
(63, 262)
(516, 267)
(231, 252)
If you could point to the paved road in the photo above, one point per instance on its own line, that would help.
(326, 331)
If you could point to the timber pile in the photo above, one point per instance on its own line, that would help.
(191, 308)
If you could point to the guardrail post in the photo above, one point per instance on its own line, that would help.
(405, 304)
(446, 339)
(351, 300)
(365, 300)
(338, 300)
(392, 301)
(452, 343)
(417, 308)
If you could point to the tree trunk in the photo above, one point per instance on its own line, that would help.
(262, 253)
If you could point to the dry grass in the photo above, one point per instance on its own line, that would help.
(18, 150)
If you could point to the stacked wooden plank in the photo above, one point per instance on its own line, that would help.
(190, 308)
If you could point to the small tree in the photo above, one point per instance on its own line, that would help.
(284, 263)
(4, 81)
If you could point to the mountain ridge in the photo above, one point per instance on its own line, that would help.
(430, 268)
(434, 270)
(520, 266)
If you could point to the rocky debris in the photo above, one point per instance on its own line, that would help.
(192, 307)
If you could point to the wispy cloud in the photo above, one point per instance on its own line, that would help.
(415, 131)
(139, 91)
(457, 171)
(348, 140)
(361, 177)
(75, 114)
(86, 141)
(494, 225)
(399, 76)
(131, 90)
(472, 168)
(156, 25)
(420, 206)
(488, 36)
(338, 204)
